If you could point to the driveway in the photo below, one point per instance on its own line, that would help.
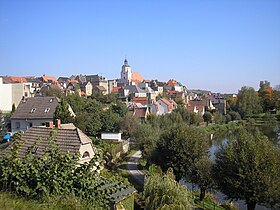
(133, 169)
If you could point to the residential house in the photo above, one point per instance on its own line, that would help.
(219, 102)
(111, 85)
(12, 93)
(139, 112)
(73, 88)
(142, 100)
(34, 112)
(48, 79)
(99, 89)
(207, 103)
(98, 81)
(68, 138)
(86, 88)
(163, 106)
(63, 81)
(199, 109)
(173, 85)
(176, 94)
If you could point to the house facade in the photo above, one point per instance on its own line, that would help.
(34, 112)
(12, 93)
(163, 106)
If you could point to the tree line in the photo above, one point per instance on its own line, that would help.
(246, 167)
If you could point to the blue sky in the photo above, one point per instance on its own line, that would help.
(218, 45)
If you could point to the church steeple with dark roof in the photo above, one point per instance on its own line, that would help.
(125, 62)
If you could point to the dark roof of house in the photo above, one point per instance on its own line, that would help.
(63, 79)
(139, 112)
(68, 138)
(100, 88)
(36, 108)
(84, 84)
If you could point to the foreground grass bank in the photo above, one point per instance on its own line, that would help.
(12, 202)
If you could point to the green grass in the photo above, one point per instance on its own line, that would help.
(12, 202)
(209, 202)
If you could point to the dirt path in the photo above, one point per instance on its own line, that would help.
(133, 169)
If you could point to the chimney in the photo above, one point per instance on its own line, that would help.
(23, 99)
(57, 123)
(49, 124)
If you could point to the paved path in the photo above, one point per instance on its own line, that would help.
(133, 169)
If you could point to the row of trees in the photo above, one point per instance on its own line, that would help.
(250, 102)
(246, 168)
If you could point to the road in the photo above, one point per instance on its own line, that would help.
(133, 169)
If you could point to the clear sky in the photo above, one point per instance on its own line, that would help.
(218, 45)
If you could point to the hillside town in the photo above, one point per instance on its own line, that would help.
(131, 88)
(89, 126)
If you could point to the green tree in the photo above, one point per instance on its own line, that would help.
(248, 168)
(62, 112)
(234, 115)
(207, 117)
(147, 136)
(161, 191)
(219, 118)
(248, 102)
(202, 175)
(180, 147)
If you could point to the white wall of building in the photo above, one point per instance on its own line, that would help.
(23, 125)
(5, 97)
(111, 136)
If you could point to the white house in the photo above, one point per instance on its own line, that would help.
(163, 106)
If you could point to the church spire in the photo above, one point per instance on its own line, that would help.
(125, 62)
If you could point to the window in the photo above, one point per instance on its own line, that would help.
(30, 125)
(51, 100)
(47, 110)
(43, 124)
(17, 124)
(86, 154)
(33, 110)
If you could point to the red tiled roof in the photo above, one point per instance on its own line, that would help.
(116, 89)
(48, 78)
(141, 100)
(136, 77)
(172, 82)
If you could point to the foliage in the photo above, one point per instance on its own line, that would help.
(179, 147)
(57, 174)
(188, 117)
(147, 136)
(219, 118)
(248, 102)
(202, 175)
(97, 113)
(248, 168)
(161, 191)
(62, 112)
(9, 201)
(234, 115)
(207, 117)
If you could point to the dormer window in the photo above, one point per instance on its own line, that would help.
(86, 154)
(47, 110)
(33, 110)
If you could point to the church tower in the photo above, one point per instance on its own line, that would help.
(126, 73)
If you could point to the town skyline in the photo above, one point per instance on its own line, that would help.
(217, 46)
